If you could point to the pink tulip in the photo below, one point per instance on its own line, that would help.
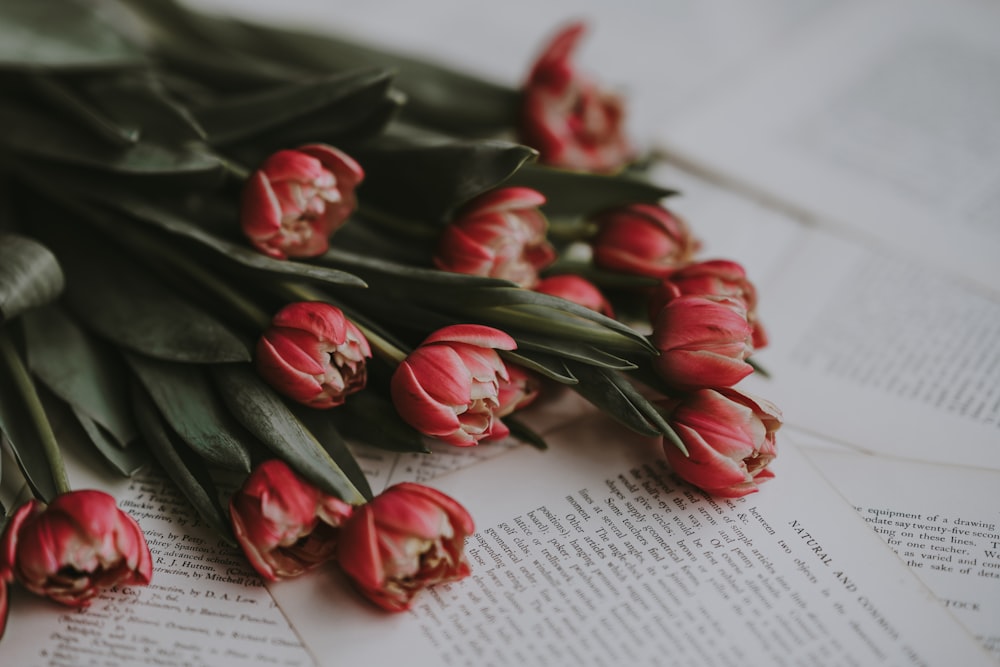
(298, 198)
(449, 387)
(642, 239)
(577, 290)
(313, 354)
(566, 117)
(409, 538)
(285, 525)
(730, 437)
(71, 550)
(716, 277)
(704, 341)
(500, 234)
(518, 391)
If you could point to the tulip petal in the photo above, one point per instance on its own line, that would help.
(503, 199)
(344, 168)
(291, 165)
(473, 334)
(418, 408)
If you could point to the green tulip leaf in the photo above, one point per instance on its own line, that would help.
(81, 370)
(342, 102)
(550, 366)
(127, 461)
(427, 178)
(187, 400)
(30, 275)
(436, 95)
(386, 273)
(266, 416)
(580, 352)
(17, 424)
(33, 133)
(141, 99)
(369, 418)
(322, 427)
(602, 388)
(186, 470)
(576, 193)
(61, 34)
(78, 107)
(120, 300)
(520, 430)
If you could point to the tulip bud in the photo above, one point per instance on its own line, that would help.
(642, 239)
(519, 390)
(500, 234)
(704, 341)
(567, 118)
(285, 525)
(313, 354)
(577, 290)
(448, 388)
(71, 550)
(730, 438)
(409, 538)
(297, 199)
(717, 277)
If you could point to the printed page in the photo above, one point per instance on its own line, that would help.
(882, 120)
(662, 55)
(593, 553)
(868, 346)
(205, 606)
(943, 521)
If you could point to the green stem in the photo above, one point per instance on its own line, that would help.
(303, 292)
(35, 410)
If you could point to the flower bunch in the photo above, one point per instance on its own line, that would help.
(254, 251)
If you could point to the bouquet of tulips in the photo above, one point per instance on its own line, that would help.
(230, 247)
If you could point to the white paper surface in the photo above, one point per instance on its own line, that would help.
(943, 521)
(592, 554)
(882, 120)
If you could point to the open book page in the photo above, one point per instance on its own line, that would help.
(592, 553)
(663, 55)
(882, 120)
(205, 606)
(942, 520)
(384, 468)
(867, 346)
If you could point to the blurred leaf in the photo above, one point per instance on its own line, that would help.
(127, 461)
(576, 193)
(83, 111)
(187, 400)
(321, 425)
(343, 101)
(187, 471)
(139, 99)
(60, 34)
(31, 132)
(427, 178)
(30, 275)
(369, 418)
(265, 415)
(119, 299)
(80, 370)
(20, 429)
(436, 95)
